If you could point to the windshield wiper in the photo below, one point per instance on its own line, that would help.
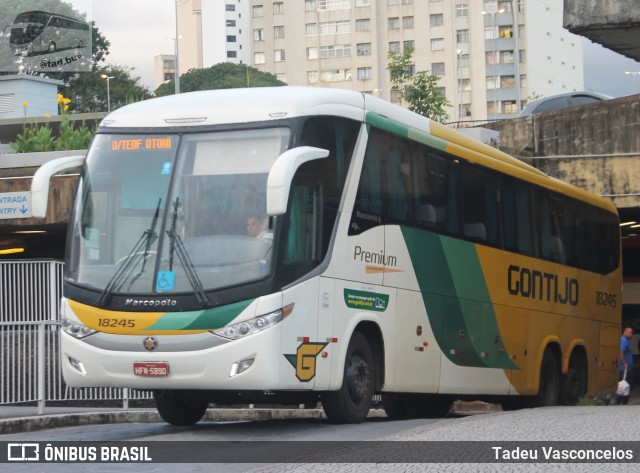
(177, 247)
(140, 250)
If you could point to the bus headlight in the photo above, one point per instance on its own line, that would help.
(248, 327)
(75, 328)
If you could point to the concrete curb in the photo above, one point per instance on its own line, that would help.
(50, 421)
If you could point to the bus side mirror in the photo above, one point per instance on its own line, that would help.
(42, 178)
(281, 175)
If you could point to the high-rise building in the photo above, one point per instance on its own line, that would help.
(491, 55)
(208, 32)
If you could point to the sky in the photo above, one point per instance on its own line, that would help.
(139, 30)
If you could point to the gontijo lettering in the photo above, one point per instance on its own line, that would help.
(535, 284)
(141, 144)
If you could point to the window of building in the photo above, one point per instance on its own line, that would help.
(232, 54)
(410, 70)
(490, 32)
(282, 77)
(312, 29)
(394, 23)
(505, 31)
(462, 10)
(436, 19)
(393, 2)
(437, 44)
(506, 57)
(230, 7)
(259, 58)
(335, 51)
(507, 82)
(521, 5)
(504, 6)
(279, 55)
(462, 36)
(231, 23)
(169, 76)
(464, 85)
(408, 44)
(363, 25)
(312, 77)
(363, 3)
(231, 39)
(407, 22)
(310, 5)
(169, 64)
(491, 82)
(364, 73)
(490, 57)
(522, 56)
(258, 35)
(509, 106)
(437, 68)
(278, 32)
(258, 11)
(278, 8)
(363, 49)
(333, 27)
(334, 4)
(335, 75)
(463, 60)
(312, 53)
(394, 46)
(466, 110)
(523, 82)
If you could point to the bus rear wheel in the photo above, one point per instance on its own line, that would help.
(574, 385)
(351, 403)
(179, 408)
(549, 392)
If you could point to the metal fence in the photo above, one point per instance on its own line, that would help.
(30, 293)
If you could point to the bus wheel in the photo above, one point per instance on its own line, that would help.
(574, 385)
(393, 405)
(549, 393)
(351, 403)
(178, 408)
(52, 47)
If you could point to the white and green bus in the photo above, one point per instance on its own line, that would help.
(395, 257)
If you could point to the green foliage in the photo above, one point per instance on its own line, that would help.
(37, 137)
(421, 90)
(88, 91)
(398, 66)
(225, 75)
(425, 97)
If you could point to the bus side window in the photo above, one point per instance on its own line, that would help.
(480, 204)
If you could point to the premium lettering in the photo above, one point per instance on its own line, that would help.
(376, 258)
(543, 286)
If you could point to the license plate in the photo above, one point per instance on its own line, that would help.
(151, 368)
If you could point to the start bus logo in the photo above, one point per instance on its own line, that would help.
(38, 37)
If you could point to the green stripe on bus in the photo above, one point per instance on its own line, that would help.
(457, 300)
(386, 124)
(392, 126)
(202, 319)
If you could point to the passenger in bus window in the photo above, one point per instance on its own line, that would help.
(626, 363)
(257, 228)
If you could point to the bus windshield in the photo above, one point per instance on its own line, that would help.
(171, 213)
(28, 26)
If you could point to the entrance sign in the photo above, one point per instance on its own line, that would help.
(15, 205)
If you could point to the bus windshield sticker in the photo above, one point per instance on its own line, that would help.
(366, 300)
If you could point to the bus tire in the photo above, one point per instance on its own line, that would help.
(574, 384)
(178, 408)
(351, 403)
(52, 47)
(394, 406)
(549, 392)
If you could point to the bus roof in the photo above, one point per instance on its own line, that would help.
(45, 14)
(259, 104)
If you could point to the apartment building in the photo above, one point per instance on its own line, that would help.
(491, 55)
(209, 32)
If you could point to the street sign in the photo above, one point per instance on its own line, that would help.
(15, 205)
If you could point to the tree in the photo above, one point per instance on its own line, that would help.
(225, 75)
(88, 90)
(425, 97)
(420, 90)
